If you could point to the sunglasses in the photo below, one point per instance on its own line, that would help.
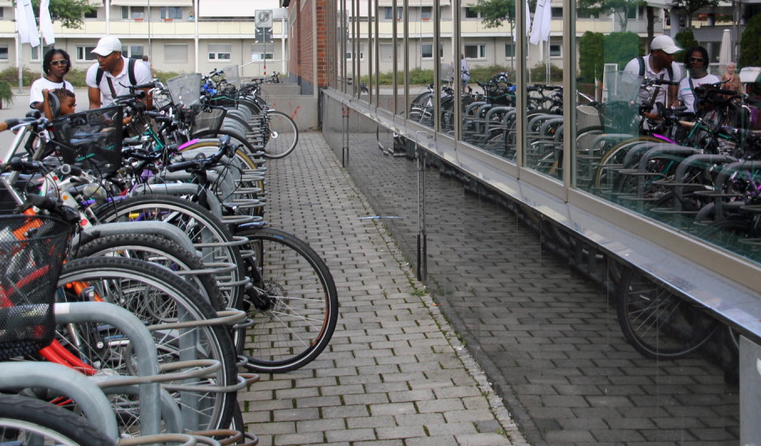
(63, 62)
(696, 59)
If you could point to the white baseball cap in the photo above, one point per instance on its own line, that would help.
(107, 45)
(665, 44)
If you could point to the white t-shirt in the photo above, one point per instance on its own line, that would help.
(142, 76)
(687, 96)
(633, 68)
(35, 91)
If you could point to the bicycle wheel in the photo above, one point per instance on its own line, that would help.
(294, 303)
(282, 136)
(658, 323)
(160, 251)
(155, 295)
(201, 226)
(27, 422)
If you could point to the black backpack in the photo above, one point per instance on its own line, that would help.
(130, 71)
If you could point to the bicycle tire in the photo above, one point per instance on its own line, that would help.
(658, 323)
(296, 312)
(198, 222)
(27, 421)
(616, 156)
(155, 295)
(235, 139)
(283, 135)
(159, 250)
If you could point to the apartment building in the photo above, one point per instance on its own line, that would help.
(178, 35)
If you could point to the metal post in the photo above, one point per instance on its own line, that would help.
(422, 248)
(345, 147)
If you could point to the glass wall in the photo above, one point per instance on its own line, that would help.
(540, 111)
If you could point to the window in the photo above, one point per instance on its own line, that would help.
(556, 50)
(349, 49)
(262, 56)
(85, 53)
(426, 12)
(135, 51)
(92, 14)
(557, 13)
(133, 12)
(175, 53)
(220, 51)
(427, 50)
(509, 50)
(475, 51)
(471, 13)
(3, 52)
(582, 13)
(170, 13)
(388, 13)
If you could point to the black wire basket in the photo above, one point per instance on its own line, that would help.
(91, 139)
(32, 250)
(209, 119)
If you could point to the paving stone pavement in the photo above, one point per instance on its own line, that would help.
(395, 373)
(547, 337)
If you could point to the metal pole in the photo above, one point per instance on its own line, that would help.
(422, 241)
(345, 147)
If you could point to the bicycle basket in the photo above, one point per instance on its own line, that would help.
(500, 94)
(231, 75)
(185, 89)
(91, 139)
(208, 120)
(32, 249)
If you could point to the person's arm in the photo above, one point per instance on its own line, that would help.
(94, 95)
(46, 104)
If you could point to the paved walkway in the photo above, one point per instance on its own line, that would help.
(394, 374)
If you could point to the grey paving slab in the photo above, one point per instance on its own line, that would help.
(394, 374)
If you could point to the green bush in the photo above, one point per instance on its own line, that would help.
(750, 43)
(10, 75)
(539, 74)
(620, 48)
(590, 56)
(686, 40)
(484, 74)
(6, 93)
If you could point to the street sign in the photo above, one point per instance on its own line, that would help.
(263, 18)
(263, 35)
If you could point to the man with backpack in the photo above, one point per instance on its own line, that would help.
(113, 74)
(659, 64)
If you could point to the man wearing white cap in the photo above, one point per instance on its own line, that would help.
(659, 64)
(113, 73)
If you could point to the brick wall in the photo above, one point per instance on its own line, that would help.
(304, 39)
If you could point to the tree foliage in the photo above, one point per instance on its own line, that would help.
(692, 6)
(750, 43)
(494, 12)
(590, 56)
(620, 48)
(619, 8)
(686, 40)
(69, 12)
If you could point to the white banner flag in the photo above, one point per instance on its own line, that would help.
(27, 26)
(540, 30)
(46, 24)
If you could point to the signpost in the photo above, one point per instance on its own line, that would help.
(263, 23)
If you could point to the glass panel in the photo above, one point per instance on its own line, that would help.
(544, 101)
(677, 154)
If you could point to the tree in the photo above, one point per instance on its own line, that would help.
(686, 40)
(494, 12)
(692, 6)
(619, 8)
(750, 44)
(591, 56)
(69, 12)
(620, 48)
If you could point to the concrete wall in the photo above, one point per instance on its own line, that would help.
(288, 99)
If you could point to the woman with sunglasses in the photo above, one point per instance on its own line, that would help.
(56, 63)
(696, 62)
